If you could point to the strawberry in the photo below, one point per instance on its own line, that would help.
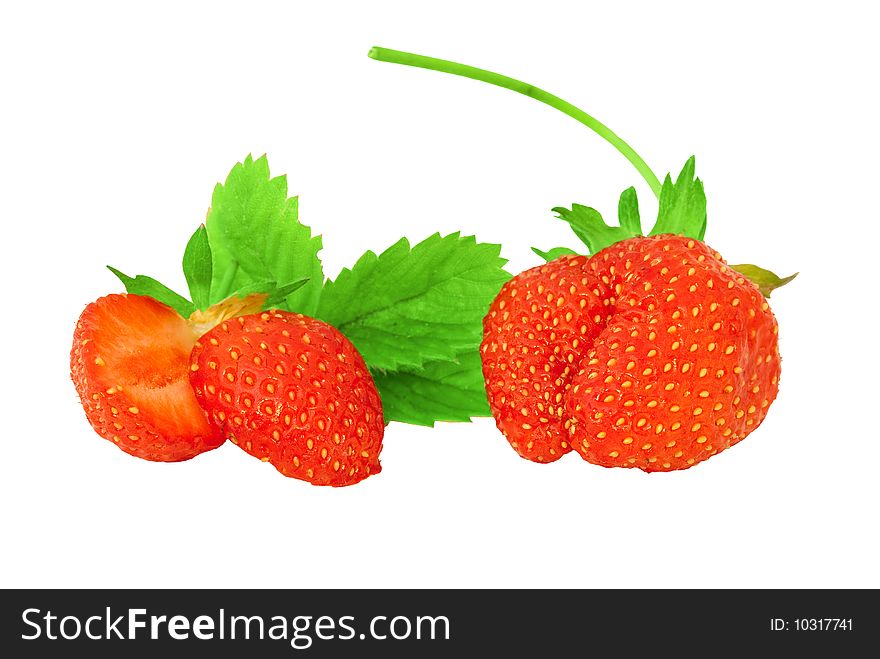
(130, 364)
(294, 392)
(653, 353)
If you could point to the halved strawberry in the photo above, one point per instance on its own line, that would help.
(130, 366)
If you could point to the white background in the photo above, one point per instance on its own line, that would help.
(116, 122)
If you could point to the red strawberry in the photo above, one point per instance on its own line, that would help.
(653, 353)
(292, 391)
(130, 366)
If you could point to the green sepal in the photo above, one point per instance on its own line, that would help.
(198, 268)
(682, 205)
(628, 212)
(143, 285)
(766, 281)
(554, 253)
(588, 225)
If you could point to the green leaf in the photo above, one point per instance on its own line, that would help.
(255, 235)
(143, 285)
(765, 280)
(410, 306)
(441, 391)
(197, 268)
(588, 225)
(628, 212)
(554, 253)
(682, 205)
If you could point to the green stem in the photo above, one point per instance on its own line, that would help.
(445, 66)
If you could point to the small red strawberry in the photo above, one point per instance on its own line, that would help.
(292, 391)
(130, 366)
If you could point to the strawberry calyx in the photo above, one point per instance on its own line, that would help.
(201, 322)
(682, 203)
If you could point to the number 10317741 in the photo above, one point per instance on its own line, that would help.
(812, 624)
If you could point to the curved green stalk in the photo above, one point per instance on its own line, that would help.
(445, 66)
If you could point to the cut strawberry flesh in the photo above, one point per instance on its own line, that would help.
(130, 364)
(145, 347)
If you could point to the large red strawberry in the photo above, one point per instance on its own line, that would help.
(130, 366)
(292, 391)
(653, 353)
